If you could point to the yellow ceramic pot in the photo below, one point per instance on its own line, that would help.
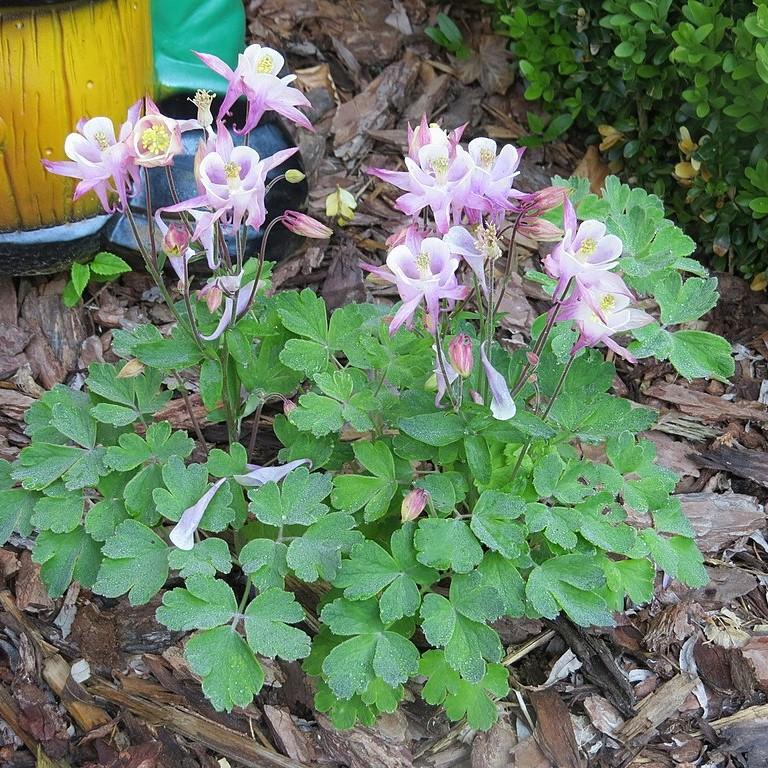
(59, 62)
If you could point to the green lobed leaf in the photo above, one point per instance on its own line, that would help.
(568, 583)
(493, 522)
(205, 603)
(206, 558)
(445, 544)
(317, 553)
(136, 562)
(267, 625)
(230, 673)
(298, 501)
(66, 557)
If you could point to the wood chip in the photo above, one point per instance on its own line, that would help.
(652, 711)
(718, 519)
(31, 594)
(750, 464)
(373, 109)
(554, 731)
(706, 407)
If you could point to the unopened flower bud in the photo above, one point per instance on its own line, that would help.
(476, 397)
(131, 369)
(532, 359)
(294, 176)
(175, 240)
(213, 298)
(539, 229)
(289, 407)
(460, 353)
(413, 504)
(304, 225)
(548, 198)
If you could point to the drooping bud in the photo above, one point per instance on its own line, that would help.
(304, 225)
(175, 240)
(539, 229)
(548, 198)
(476, 397)
(532, 358)
(294, 176)
(460, 353)
(413, 504)
(289, 407)
(213, 298)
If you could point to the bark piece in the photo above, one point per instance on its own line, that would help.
(554, 731)
(297, 744)
(599, 666)
(31, 594)
(708, 408)
(373, 109)
(750, 464)
(193, 726)
(492, 749)
(652, 711)
(362, 747)
(718, 519)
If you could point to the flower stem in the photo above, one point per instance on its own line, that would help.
(555, 395)
(193, 418)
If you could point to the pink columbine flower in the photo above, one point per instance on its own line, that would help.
(613, 315)
(493, 174)
(476, 249)
(306, 226)
(427, 275)
(583, 250)
(257, 475)
(156, 139)
(502, 405)
(431, 133)
(460, 353)
(183, 533)
(256, 78)
(414, 503)
(232, 180)
(440, 179)
(101, 160)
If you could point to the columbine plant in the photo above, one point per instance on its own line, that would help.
(430, 478)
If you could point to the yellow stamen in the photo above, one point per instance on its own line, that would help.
(232, 170)
(265, 65)
(608, 302)
(156, 139)
(440, 166)
(588, 247)
(101, 140)
(487, 156)
(232, 174)
(423, 263)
